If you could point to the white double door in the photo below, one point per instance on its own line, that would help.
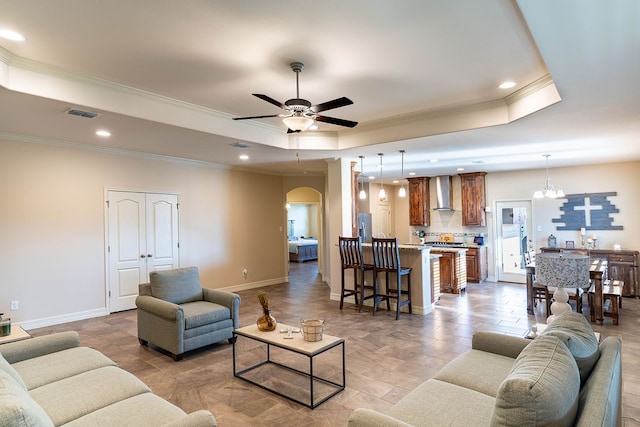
(142, 237)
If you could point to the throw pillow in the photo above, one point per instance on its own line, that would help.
(576, 333)
(541, 389)
(177, 286)
(17, 407)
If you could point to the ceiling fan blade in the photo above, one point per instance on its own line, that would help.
(255, 117)
(270, 100)
(329, 105)
(334, 121)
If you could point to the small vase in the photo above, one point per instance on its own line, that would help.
(266, 322)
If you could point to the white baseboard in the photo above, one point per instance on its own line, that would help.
(72, 317)
(253, 285)
(65, 318)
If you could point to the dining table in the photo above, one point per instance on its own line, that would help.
(597, 274)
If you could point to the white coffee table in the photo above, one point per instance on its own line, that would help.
(296, 345)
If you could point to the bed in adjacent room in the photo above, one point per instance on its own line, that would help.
(303, 249)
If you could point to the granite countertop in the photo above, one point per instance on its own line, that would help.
(448, 248)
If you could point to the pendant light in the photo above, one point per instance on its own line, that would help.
(402, 192)
(363, 194)
(548, 191)
(382, 195)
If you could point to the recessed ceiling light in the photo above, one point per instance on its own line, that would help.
(412, 173)
(460, 169)
(313, 127)
(371, 177)
(243, 157)
(507, 85)
(433, 161)
(103, 133)
(12, 35)
(395, 181)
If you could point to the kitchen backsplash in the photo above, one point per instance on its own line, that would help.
(465, 237)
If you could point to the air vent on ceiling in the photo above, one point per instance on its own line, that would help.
(241, 145)
(82, 113)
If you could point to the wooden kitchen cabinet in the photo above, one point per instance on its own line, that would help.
(473, 198)
(419, 201)
(477, 267)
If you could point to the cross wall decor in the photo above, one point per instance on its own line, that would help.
(591, 211)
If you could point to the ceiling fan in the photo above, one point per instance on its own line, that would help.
(300, 114)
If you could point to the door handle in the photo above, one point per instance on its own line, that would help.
(149, 255)
(142, 255)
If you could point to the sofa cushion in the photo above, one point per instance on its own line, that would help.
(576, 333)
(201, 313)
(477, 370)
(542, 388)
(78, 395)
(17, 408)
(177, 286)
(437, 403)
(10, 370)
(49, 368)
(144, 409)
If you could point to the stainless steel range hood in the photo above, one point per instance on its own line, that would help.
(443, 193)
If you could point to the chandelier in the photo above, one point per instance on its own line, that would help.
(548, 190)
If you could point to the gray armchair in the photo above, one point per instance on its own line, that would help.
(177, 314)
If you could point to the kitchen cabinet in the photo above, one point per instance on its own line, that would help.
(453, 270)
(477, 267)
(419, 201)
(621, 265)
(473, 198)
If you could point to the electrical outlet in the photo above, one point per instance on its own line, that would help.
(244, 273)
(14, 305)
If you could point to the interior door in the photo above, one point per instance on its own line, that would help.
(383, 221)
(514, 231)
(142, 237)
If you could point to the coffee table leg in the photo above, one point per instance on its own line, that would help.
(311, 380)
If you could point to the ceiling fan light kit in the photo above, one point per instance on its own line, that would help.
(297, 123)
(300, 113)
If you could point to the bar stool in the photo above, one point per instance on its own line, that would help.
(386, 259)
(351, 257)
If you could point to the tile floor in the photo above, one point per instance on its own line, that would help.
(385, 358)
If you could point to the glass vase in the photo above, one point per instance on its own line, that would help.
(266, 322)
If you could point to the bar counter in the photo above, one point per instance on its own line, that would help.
(418, 257)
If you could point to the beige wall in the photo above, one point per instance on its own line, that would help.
(52, 247)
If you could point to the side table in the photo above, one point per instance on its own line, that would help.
(17, 334)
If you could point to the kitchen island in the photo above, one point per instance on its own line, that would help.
(418, 257)
(453, 268)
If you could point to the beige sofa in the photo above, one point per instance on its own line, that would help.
(52, 381)
(563, 377)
